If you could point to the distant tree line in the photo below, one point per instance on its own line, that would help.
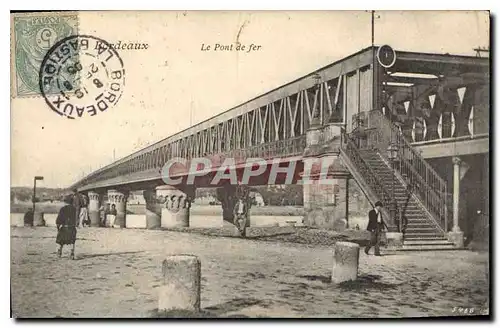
(281, 195)
(276, 195)
(25, 194)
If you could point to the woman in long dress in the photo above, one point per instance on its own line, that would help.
(66, 226)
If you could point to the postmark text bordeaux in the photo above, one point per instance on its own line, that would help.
(81, 75)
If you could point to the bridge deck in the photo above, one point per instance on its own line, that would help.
(275, 122)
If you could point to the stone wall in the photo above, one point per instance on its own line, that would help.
(333, 214)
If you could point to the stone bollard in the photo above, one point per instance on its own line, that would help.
(345, 262)
(181, 283)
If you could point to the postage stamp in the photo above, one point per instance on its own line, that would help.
(81, 74)
(32, 35)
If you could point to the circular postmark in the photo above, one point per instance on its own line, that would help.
(81, 75)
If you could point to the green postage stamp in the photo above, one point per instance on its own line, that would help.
(32, 35)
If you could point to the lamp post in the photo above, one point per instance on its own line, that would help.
(37, 177)
(392, 153)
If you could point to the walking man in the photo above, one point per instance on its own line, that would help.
(376, 225)
(66, 226)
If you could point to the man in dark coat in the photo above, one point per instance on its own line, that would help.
(66, 226)
(376, 225)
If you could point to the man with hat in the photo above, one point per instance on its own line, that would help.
(66, 226)
(376, 225)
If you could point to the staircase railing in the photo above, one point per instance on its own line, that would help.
(371, 179)
(430, 188)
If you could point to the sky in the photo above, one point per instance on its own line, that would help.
(174, 84)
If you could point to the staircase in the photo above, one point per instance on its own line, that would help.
(422, 232)
(411, 183)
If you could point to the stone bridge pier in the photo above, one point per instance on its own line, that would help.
(177, 202)
(94, 205)
(153, 208)
(325, 179)
(236, 202)
(119, 199)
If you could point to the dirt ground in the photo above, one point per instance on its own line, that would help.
(117, 274)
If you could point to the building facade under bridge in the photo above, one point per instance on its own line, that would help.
(412, 129)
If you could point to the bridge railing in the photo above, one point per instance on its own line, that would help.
(428, 185)
(279, 148)
(372, 180)
(287, 147)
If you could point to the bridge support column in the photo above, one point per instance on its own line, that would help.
(226, 196)
(236, 203)
(456, 235)
(153, 209)
(325, 200)
(325, 179)
(119, 198)
(175, 214)
(94, 203)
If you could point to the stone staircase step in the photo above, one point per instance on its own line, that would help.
(401, 193)
(427, 242)
(398, 187)
(414, 213)
(419, 226)
(409, 208)
(416, 217)
(422, 236)
(414, 223)
(382, 170)
(426, 248)
(408, 205)
(410, 228)
(420, 230)
(413, 233)
(413, 207)
(417, 220)
(379, 166)
(419, 248)
(411, 211)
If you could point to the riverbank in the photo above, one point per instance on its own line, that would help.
(117, 274)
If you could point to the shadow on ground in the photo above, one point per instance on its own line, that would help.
(323, 279)
(89, 256)
(214, 311)
(366, 282)
(48, 237)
